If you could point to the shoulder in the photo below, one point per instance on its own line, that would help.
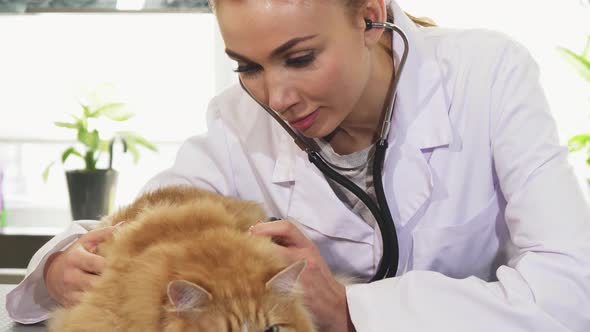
(243, 121)
(477, 63)
(476, 54)
(238, 112)
(475, 44)
(234, 103)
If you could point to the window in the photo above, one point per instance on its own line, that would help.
(165, 67)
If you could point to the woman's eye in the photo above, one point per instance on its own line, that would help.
(248, 70)
(301, 61)
(274, 328)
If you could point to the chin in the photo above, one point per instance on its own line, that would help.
(315, 132)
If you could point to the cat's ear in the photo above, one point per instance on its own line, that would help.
(284, 282)
(185, 295)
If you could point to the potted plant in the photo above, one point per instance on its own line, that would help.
(582, 64)
(92, 189)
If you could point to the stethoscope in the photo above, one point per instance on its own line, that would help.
(388, 264)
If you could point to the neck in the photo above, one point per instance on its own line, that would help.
(362, 126)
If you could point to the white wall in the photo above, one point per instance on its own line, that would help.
(161, 64)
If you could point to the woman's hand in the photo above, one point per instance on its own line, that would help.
(68, 274)
(323, 294)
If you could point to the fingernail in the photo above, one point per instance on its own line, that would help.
(119, 223)
(252, 227)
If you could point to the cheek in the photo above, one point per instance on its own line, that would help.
(336, 84)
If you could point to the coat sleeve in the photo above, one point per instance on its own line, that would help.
(29, 302)
(202, 161)
(545, 285)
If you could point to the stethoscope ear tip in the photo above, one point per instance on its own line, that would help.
(368, 24)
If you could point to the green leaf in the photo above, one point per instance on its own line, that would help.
(90, 160)
(586, 53)
(129, 136)
(90, 139)
(66, 125)
(81, 123)
(87, 112)
(581, 64)
(114, 111)
(68, 152)
(103, 145)
(588, 161)
(578, 142)
(46, 171)
(131, 147)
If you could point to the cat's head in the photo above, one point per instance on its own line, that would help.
(275, 307)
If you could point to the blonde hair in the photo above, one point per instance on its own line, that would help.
(421, 21)
(355, 4)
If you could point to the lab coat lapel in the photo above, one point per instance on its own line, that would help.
(421, 124)
(284, 172)
(311, 201)
(315, 205)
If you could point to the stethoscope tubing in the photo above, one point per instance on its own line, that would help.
(388, 265)
(383, 269)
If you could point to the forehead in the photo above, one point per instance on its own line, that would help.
(255, 26)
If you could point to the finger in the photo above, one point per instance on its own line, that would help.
(282, 232)
(73, 298)
(290, 255)
(77, 280)
(89, 262)
(94, 237)
(87, 281)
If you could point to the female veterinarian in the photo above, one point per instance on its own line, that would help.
(474, 220)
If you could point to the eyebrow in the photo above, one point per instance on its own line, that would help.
(278, 51)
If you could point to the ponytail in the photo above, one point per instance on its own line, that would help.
(422, 21)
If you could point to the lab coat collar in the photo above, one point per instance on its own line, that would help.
(421, 117)
(420, 125)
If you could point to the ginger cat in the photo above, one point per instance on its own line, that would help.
(183, 261)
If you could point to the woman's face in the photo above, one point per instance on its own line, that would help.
(305, 59)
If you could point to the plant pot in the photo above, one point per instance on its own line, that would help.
(92, 193)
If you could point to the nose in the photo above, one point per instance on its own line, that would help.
(281, 91)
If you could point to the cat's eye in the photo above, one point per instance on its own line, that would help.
(274, 328)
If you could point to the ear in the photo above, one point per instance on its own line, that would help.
(284, 282)
(185, 295)
(376, 11)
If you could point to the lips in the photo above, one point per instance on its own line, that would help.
(304, 122)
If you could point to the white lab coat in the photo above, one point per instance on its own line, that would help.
(493, 229)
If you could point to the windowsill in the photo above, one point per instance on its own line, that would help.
(12, 276)
(36, 221)
(30, 231)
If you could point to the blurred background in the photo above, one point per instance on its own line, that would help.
(164, 60)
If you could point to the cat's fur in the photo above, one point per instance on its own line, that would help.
(183, 261)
